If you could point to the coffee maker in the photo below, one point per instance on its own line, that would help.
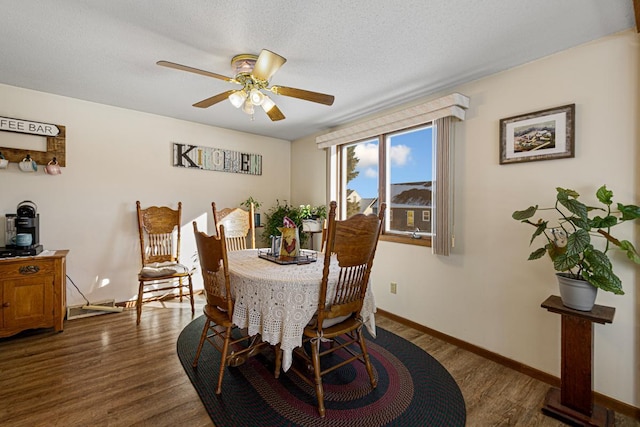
(26, 221)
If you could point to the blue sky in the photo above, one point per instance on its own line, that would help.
(410, 157)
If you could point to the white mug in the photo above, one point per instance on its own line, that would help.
(28, 165)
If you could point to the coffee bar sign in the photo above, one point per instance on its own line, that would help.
(216, 159)
(27, 126)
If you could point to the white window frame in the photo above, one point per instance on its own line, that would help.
(442, 112)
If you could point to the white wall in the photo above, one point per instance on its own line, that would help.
(486, 293)
(308, 166)
(115, 157)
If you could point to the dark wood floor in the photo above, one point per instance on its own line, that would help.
(105, 371)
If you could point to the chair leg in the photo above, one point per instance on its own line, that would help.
(203, 337)
(139, 303)
(315, 359)
(367, 361)
(278, 360)
(180, 288)
(193, 307)
(223, 359)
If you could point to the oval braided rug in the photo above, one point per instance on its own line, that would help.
(413, 388)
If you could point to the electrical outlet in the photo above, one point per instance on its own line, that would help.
(394, 287)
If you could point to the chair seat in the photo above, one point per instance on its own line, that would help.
(217, 315)
(327, 323)
(331, 328)
(163, 269)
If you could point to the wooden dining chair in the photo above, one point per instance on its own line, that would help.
(219, 328)
(238, 224)
(159, 234)
(353, 241)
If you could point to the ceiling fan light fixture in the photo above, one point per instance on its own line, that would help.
(237, 98)
(248, 107)
(267, 104)
(257, 97)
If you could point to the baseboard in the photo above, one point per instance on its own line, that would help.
(601, 399)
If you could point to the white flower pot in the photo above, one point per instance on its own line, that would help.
(314, 225)
(577, 294)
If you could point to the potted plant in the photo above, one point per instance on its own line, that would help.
(313, 217)
(256, 206)
(274, 219)
(570, 243)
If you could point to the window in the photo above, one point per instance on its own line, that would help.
(410, 222)
(404, 184)
(352, 147)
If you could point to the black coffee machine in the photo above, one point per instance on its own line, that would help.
(25, 221)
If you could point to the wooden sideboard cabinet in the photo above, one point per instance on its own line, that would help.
(32, 293)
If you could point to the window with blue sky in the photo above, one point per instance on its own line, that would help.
(408, 175)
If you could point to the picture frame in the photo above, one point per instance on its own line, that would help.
(542, 135)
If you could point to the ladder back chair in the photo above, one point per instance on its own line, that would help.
(238, 224)
(353, 242)
(159, 233)
(219, 327)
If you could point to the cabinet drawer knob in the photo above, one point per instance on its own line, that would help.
(5, 304)
(29, 269)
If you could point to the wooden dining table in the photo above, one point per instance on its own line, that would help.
(277, 301)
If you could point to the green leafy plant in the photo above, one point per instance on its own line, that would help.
(274, 218)
(569, 241)
(313, 212)
(247, 203)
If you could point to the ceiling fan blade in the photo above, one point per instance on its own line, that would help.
(307, 95)
(275, 114)
(205, 103)
(267, 64)
(194, 70)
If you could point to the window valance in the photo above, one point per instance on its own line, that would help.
(453, 105)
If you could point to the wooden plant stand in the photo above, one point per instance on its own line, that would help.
(573, 402)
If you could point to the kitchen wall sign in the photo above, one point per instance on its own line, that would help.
(55, 135)
(216, 159)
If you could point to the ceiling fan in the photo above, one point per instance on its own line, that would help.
(253, 73)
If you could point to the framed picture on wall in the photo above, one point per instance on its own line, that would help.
(541, 135)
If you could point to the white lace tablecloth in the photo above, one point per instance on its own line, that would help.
(277, 301)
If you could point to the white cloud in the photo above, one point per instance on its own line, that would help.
(367, 153)
(400, 154)
(371, 173)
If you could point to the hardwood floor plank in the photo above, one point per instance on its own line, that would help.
(105, 371)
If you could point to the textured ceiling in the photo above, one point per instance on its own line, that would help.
(371, 54)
